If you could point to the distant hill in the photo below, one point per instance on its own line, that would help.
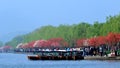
(71, 32)
(7, 37)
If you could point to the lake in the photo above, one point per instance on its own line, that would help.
(10, 60)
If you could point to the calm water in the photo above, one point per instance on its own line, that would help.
(20, 61)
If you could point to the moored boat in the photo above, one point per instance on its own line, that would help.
(57, 55)
(33, 57)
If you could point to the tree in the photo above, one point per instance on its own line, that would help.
(80, 42)
(71, 33)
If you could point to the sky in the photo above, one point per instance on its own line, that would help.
(23, 16)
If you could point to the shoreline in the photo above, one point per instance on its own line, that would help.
(101, 58)
(85, 57)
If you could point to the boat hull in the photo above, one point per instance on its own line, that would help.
(55, 58)
(35, 57)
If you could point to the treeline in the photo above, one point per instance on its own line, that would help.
(71, 33)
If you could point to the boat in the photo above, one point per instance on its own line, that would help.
(57, 55)
(33, 57)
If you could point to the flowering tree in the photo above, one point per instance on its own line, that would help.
(41, 43)
(93, 41)
(57, 42)
(7, 47)
(27, 45)
(101, 40)
(112, 39)
(30, 44)
(80, 42)
(53, 42)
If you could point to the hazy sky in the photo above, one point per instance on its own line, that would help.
(27, 15)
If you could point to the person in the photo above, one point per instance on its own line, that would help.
(94, 51)
(87, 50)
(91, 51)
(116, 51)
(84, 53)
(101, 51)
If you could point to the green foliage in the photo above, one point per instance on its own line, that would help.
(71, 32)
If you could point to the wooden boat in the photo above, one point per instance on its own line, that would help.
(57, 55)
(33, 57)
